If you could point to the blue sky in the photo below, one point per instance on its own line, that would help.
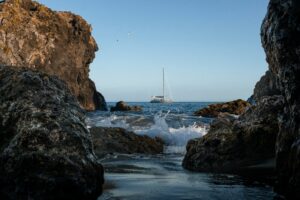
(210, 49)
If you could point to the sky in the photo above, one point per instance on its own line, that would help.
(210, 49)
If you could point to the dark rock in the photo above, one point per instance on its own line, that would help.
(56, 43)
(232, 145)
(251, 100)
(122, 106)
(267, 120)
(266, 86)
(118, 140)
(45, 148)
(281, 41)
(236, 107)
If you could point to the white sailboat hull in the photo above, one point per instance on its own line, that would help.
(159, 99)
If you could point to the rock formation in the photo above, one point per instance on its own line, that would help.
(118, 140)
(56, 43)
(122, 106)
(236, 107)
(267, 86)
(45, 148)
(233, 145)
(276, 117)
(281, 41)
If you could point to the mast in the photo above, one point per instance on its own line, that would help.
(163, 84)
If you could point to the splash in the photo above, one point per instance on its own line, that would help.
(175, 129)
(109, 121)
(175, 139)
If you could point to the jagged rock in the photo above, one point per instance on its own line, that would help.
(56, 43)
(236, 107)
(118, 140)
(45, 148)
(281, 41)
(122, 106)
(280, 35)
(266, 86)
(232, 145)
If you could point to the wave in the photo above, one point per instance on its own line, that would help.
(175, 138)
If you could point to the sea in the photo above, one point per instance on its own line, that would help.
(139, 176)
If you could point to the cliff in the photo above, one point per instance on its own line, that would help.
(45, 148)
(280, 35)
(271, 127)
(56, 43)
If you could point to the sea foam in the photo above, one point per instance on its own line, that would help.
(175, 138)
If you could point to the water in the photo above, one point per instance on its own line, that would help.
(174, 123)
(162, 176)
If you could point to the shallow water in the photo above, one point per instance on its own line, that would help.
(162, 176)
(138, 177)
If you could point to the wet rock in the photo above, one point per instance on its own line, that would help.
(45, 148)
(236, 107)
(232, 145)
(281, 41)
(122, 106)
(118, 140)
(56, 43)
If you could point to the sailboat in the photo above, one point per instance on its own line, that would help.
(161, 99)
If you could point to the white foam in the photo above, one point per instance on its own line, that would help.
(175, 139)
(112, 121)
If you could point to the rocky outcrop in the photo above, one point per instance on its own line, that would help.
(233, 145)
(56, 43)
(45, 148)
(118, 140)
(281, 41)
(236, 107)
(122, 106)
(221, 147)
(266, 86)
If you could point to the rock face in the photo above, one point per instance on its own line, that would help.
(122, 106)
(45, 148)
(275, 118)
(234, 145)
(281, 41)
(236, 107)
(267, 86)
(56, 43)
(118, 140)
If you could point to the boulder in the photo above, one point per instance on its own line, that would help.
(122, 106)
(236, 107)
(45, 148)
(56, 43)
(118, 140)
(232, 145)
